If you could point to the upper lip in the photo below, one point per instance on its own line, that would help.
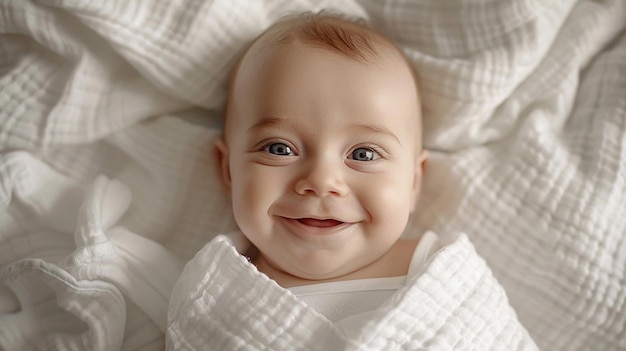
(296, 210)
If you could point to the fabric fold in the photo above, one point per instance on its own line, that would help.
(78, 301)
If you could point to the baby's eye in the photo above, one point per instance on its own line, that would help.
(364, 154)
(279, 149)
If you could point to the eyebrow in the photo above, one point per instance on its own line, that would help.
(272, 122)
(281, 123)
(377, 129)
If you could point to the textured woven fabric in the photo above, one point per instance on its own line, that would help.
(222, 302)
(524, 111)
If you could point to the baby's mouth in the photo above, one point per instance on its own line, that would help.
(320, 223)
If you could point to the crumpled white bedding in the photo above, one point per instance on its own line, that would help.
(113, 104)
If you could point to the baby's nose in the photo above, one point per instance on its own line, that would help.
(322, 178)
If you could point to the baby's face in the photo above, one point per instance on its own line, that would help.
(321, 157)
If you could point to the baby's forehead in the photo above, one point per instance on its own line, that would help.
(356, 42)
(362, 47)
(349, 38)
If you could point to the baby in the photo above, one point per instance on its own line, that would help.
(323, 160)
(322, 153)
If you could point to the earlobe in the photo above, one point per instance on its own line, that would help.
(222, 162)
(421, 162)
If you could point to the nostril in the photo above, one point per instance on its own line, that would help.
(314, 184)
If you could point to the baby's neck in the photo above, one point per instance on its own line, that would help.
(393, 263)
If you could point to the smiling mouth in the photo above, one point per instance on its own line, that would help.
(320, 223)
(320, 233)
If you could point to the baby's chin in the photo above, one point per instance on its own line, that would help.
(314, 273)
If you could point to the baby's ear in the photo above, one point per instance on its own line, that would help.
(421, 162)
(222, 162)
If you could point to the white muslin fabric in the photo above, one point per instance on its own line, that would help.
(221, 302)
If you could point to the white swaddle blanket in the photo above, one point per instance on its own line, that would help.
(221, 302)
(525, 116)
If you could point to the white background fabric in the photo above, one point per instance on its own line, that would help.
(524, 110)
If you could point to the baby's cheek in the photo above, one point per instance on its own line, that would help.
(257, 190)
(390, 204)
